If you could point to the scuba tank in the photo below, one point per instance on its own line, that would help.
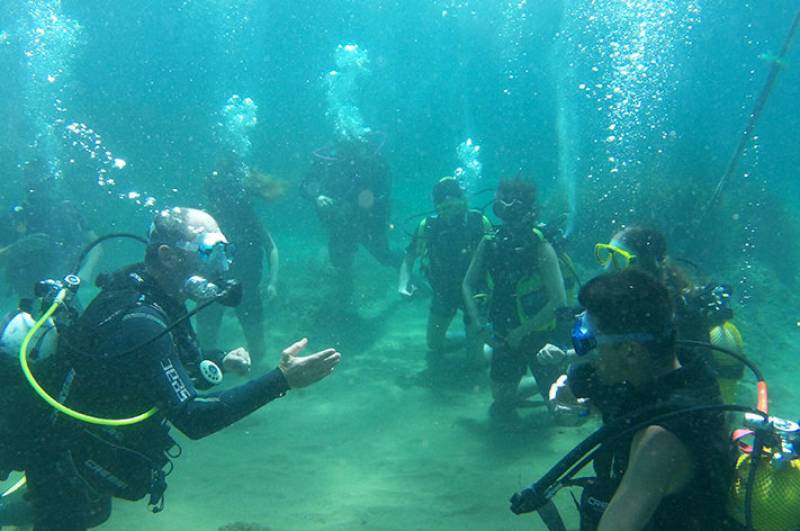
(16, 327)
(765, 493)
(772, 480)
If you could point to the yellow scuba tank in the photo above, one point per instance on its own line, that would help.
(775, 504)
(729, 370)
(776, 494)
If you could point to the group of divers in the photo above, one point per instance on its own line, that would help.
(90, 394)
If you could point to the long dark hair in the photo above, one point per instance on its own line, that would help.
(650, 247)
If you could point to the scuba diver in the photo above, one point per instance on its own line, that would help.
(350, 185)
(702, 313)
(446, 242)
(673, 473)
(133, 349)
(527, 291)
(42, 236)
(230, 203)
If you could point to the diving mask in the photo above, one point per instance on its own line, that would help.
(585, 339)
(613, 253)
(213, 251)
(510, 210)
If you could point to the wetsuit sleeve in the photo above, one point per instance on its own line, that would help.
(170, 387)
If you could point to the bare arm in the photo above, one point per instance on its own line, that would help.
(274, 268)
(475, 273)
(659, 465)
(87, 271)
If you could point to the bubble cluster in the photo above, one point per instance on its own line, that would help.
(352, 63)
(238, 117)
(50, 40)
(513, 35)
(632, 46)
(81, 137)
(469, 171)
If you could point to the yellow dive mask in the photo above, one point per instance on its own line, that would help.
(608, 254)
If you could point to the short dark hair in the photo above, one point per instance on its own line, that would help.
(518, 188)
(631, 302)
(168, 228)
(447, 187)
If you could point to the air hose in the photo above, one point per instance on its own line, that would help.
(77, 415)
(536, 495)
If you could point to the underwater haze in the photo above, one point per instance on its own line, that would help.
(621, 111)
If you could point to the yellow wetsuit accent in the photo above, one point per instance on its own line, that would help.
(531, 296)
(77, 415)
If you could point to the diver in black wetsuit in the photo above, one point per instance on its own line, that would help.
(675, 473)
(350, 185)
(527, 292)
(231, 204)
(108, 365)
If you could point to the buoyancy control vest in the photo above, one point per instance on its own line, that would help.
(446, 249)
(518, 291)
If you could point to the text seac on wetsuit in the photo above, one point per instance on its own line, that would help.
(97, 373)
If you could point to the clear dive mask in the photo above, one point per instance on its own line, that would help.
(213, 251)
(585, 340)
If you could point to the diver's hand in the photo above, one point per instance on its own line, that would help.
(323, 201)
(238, 361)
(408, 290)
(567, 409)
(304, 371)
(551, 355)
(272, 292)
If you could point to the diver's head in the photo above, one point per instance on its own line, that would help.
(626, 329)
(514, 202)
(449, 198)
(634, 246)
(186, 244)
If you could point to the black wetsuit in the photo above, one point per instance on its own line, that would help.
(349, 174)
(701, 505)
(74, 467)
(446, 250)
(512, 260)
(233, 208)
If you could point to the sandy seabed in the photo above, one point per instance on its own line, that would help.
(368, 449)
(375, 448)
